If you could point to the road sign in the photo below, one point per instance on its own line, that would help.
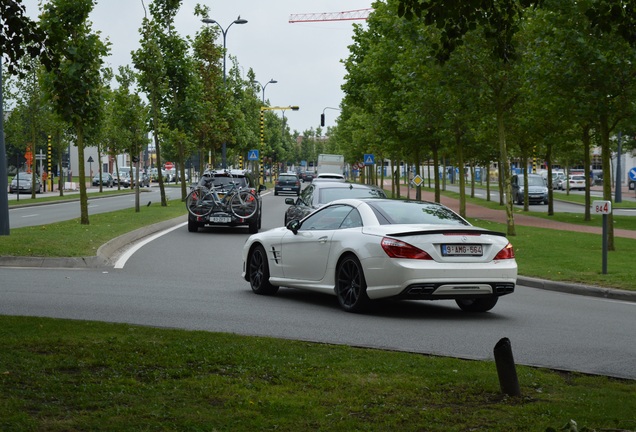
(169, 165)
(632, 174)
(602, 207)
(369, 159)
(252, 155)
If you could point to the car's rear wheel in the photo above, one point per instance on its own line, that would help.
(351, 287)
(258, 271)
(193, 225)
(252, 227)
(483, 304)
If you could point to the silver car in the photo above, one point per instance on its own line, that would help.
(23, 183)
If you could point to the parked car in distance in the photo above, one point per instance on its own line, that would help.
(222, 180)
(154, 175)
(144, 180)
(306, 176)
(319, 193)
(557, 180)
(287, 183)
(106, 179)
(23, 183)
(537, 189)
(121, 177)
(574, 182)
(361, 250)
(631, 184)
(330, 177)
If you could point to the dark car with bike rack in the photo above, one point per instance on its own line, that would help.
(226, 198)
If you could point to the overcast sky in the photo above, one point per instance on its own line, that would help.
(305, 58)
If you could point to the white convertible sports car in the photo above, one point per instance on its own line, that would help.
(362, 250)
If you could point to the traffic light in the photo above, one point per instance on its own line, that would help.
(322, 119)
(241, 161)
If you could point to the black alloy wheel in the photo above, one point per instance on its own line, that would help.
(258, 272)
(351, 287)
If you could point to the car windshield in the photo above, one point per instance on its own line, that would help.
(536, 181)
(222, 181)
(391, 212)
(578, 178)
(287, 178)
(327, 195)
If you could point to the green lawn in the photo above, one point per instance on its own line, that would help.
(62, 375)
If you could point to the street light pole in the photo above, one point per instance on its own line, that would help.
(239, 20)
(263, 87)
(262, 146)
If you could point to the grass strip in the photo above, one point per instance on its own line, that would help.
(61, 375)
(72, 239)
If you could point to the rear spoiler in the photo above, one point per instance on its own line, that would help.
(459, 231)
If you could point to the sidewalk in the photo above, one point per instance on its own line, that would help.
(480, 212)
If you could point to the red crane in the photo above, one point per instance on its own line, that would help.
(358, 14)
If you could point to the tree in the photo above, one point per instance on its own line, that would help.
(499, 21)
(149, 61)
(74, 84)
(19, 37)
(574, 65)
(127, 121)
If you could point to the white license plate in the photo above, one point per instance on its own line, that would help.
(286, 188)
(462, 250)
(220, 219)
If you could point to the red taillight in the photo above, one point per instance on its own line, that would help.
(399, 249)
(506, 253)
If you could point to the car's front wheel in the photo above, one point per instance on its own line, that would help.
(351, 287)
(483, 304)
(258, 271)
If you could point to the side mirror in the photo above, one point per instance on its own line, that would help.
(290, 201)
(261, 188)
(293, 225)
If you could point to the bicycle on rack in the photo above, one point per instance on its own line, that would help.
(204, 198)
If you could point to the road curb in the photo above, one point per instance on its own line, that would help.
(580, 289)
(109, 251)
(106, 253)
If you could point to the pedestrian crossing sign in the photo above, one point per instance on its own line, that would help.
(369, 159)
(252, 155)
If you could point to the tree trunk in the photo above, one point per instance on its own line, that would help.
(505, 169)
(607, 177)
(462, 179)
(587, 163)
(155, 133)
(438, 194)
(79, 128)
(548, 158)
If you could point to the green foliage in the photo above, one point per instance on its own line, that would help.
(20, 36)
(75, 84)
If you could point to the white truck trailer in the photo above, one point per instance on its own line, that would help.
(330, 163)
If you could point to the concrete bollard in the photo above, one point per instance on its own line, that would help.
(506, 370)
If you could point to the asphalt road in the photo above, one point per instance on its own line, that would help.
(192, 281)
(27, 214)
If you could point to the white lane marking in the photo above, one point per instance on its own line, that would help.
(31, 215)
(121, 262)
